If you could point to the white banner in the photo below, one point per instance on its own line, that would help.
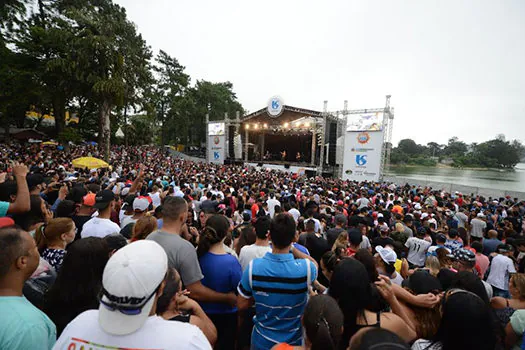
(365, 122)
(216, 149)
(362, 155)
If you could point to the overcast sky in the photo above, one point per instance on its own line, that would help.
(453, 68)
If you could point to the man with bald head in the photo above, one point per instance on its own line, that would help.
(491, 243)
(22, 325)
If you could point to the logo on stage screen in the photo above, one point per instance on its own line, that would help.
(363, 138)
(360, 159)
(216, 140)
(216, 155)
(275, 106)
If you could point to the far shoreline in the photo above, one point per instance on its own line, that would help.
(446, 166)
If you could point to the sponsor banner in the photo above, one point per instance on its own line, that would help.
(215, 129)
(365, 122)
(216, 149)
(362, 155)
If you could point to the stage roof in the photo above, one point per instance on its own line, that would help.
(297, 112)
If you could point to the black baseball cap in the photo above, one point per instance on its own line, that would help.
(103, 198)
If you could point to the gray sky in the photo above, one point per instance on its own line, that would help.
(453, 67)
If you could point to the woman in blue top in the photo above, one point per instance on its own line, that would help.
(222, 273)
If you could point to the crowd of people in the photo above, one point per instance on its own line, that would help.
(157, 252)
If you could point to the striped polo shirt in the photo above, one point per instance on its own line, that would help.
(278, 284)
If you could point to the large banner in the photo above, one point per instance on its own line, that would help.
(216, 143)
(362, 155)
(365, 122)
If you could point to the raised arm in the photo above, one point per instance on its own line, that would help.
(22, 203)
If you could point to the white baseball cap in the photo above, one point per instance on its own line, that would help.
(130, 281)
(140, 203)
(387, 254)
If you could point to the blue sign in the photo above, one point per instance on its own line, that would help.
(360, 159)
(216, 155)
(275, 104)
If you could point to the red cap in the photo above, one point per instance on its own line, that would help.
(89, 199)
(6, 222)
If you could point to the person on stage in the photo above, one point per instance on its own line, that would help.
(283, 155)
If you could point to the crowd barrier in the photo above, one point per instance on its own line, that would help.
(451, 187)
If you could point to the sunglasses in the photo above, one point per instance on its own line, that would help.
(126, 310)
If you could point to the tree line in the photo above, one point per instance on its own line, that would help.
(86, 57)
(495, 153)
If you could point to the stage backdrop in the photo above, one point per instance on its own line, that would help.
(362, 155)
(216, 143)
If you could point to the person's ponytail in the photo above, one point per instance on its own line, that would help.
(323, 338)
(207, 238)
(40, 237)
(216, 229)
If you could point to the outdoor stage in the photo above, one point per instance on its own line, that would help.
(350, 144)
(286, 137)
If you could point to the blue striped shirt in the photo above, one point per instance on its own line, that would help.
(278, 284)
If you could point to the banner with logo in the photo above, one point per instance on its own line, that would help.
(362, 155)
(216, 143)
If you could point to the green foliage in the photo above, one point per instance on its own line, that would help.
(86, 57)
(70, 134)
(496, 153)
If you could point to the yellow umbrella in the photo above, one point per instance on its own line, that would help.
(89, 162)
(49, 143)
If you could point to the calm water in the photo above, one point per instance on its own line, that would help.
(513, 180)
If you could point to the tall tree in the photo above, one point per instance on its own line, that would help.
(167, 93)
(112, 55)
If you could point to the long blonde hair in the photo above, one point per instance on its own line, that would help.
(432, 263)
(51, 232)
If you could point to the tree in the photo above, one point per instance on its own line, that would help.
(111, 55)
(455, 147)
(214, 99)
(168, 92)
(409, 147)
(434, 149)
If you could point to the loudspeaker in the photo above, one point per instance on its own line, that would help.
(287, 166)
(260, 164)
(332, 142)
(310, 173)
(231, 135)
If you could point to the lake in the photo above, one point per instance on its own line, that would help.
(506, 180)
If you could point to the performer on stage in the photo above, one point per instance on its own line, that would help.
(283, 155)
(298, 157)
(267, 156)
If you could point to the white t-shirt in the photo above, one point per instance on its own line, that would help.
(365, 243)
(417, 250)
(500, 268)
(250, 252)
(272, 203)
(97, 227)
(295, 213)
(127, 220)
(362, 202)
(155, 198)
(157, 333)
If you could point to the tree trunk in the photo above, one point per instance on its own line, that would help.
(104, 133)
(59, 112)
